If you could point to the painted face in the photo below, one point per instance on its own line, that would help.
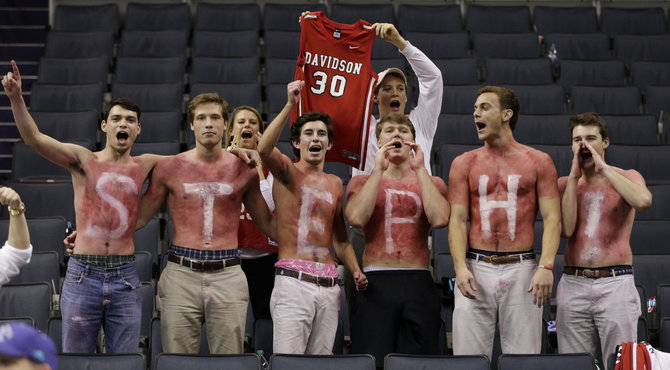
(314, 142)
(396, 133)
(489, 116)
(588, 134)
(245, 127)
(392, 95)
(208, 124)
(121, 128)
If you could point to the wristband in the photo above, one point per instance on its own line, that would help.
(545, 267)
(230, 148)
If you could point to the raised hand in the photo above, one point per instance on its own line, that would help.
(293, 90)
(12, 82)
(416, 162)
(9, 197)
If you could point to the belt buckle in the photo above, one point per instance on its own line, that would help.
(591, 274)
(494, 259)
(196, 265)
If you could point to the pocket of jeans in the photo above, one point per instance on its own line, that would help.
(74, 276)
(131, 280)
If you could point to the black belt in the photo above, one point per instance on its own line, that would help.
(501, 260)
(327, 281)
(597, 273)
(204, 265)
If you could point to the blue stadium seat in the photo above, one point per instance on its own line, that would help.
(218, 44)
(455, 129)
(73, 70)
(612, 100)
(527, 71)
(586, 46)
(227, 17)
(158, 17)
(440, 45)
(145, 70)
(461, 71)
(549, 129)
(650, 160)
(397, 361)
(591, 73)
(632, 21)
(514, 45)
(152, 97)
(550, 19)
(351, 13)
(225, 70)
(429, 18)
(284, 17)
(322, 362)
(87, 18)
(650, 48)
(64, 44)
(539, 99)
(498, 19)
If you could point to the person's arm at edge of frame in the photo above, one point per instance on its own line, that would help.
(17, 251)
(344, 249)
(550, 208)
(458, 197)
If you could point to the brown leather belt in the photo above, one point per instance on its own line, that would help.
(598, 272)
(204, 265)
(326, 281)
(501, 260)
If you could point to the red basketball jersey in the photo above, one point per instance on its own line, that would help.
(334, 62)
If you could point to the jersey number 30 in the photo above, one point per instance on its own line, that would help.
(337, 84)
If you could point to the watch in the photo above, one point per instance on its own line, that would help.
(17, 211)
(230, 148)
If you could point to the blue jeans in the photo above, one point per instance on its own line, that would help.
(94, 296)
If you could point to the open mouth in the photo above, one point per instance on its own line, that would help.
(246, 135)
(397, 145)
(315, 149)
(395, 104)
(122, 136)
(585, 154)
(480, 125)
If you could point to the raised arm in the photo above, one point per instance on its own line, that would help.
(568, 189)
(155, 194)
(362, 193)
(258, 209)
(458, 225)
(18, 237)
(630, 186)
(62, 154)
(270, 155)
(433, 190)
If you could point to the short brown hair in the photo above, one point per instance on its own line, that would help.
(229, 129)
(296, 127)
(589, 119)
(204, 99)
(508, 100)
(398, 118)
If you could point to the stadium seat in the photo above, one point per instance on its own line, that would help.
(66, 98)
(397, 361)
(664, 334)
(650, 48)
(440, 45)
(550, 19)
(663, 301)
(226, 70)
(28, 299)
(351, 13)
(322, 362)
(546, 361)
(143, 264)
(549, 129)
(63, 44)
(586, 46)
(147, 238)
(87, 18)
(459, 99)
(591, 73)
(55, 332)
(429, 18)
(658, 100)
(73, 70)
(611, 100)
(143, 70)
(284, 17)
(147, 291)
(227, 17)
(47, 199)
(460, 71)
(231, 44)
(660, 199)
(46, 234)
(632, 21)
(153, 44)
(514, 45)
(649, 160)
(157, 147)
(172, 361)
(22, 319)
(126, 361)
(498, 19)
(643, 74)
(455, 129)
(539, 99)
(29, 165)
(160, 126)
(43, 267)
(158, 17)
(279, 70)
(282, 44)
(446, 153)
(69, 126)
(152, 97)
(632, 130)
(529, 71)
(651, 270)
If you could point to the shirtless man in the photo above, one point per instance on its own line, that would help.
(596, 294)
(306, 297)
(500, 186)
(203, 281)
(396, 206)
(101, 284)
